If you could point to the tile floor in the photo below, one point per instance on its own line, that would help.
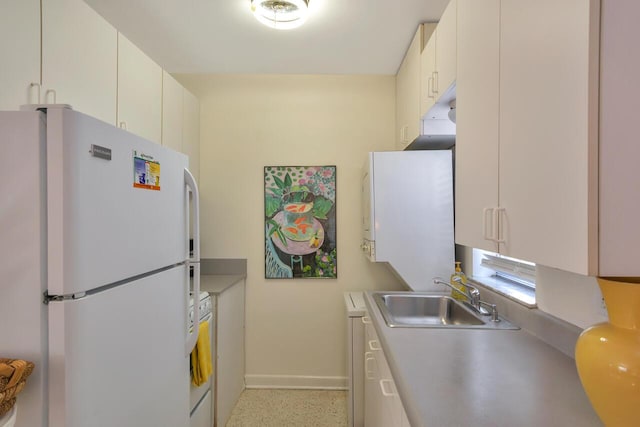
(289, 408)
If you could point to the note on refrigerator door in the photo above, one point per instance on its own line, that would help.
(146, 172)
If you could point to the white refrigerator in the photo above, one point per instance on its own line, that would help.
(94, 271)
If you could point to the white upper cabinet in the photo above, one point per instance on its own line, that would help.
(438, 61)
(181, 121)
(445, 74)
(171, 112)
(477, 105)
(427, 70)
(79, 58)
(408, 93)
(62, 51)
(191, 132)
(548, 132)
(546, 209)
(20, 53)
(139, 92)
(619, 147)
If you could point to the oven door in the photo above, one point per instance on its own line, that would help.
(197, 394)
(201, 415)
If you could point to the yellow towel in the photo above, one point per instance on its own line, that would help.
(201, 367)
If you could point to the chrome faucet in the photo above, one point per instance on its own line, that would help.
(472, 296)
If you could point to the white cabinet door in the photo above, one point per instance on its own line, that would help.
(383, 406)
(79, 58)
(230, 348)
(477, 140)
(191, 132)
(446, 50)
(427, 71)
(619, 148)
(548, 132)
(172, 114)
(139, 92)
(542, 151)
(20, 52)
(408, 93)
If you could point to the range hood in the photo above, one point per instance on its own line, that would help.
(438, 125)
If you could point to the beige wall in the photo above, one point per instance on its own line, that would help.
(296, 329)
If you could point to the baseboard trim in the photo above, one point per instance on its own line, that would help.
(295, 382)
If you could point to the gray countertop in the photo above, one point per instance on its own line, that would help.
(461, 377)
(218, 283)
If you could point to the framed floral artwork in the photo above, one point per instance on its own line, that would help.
(300, 222)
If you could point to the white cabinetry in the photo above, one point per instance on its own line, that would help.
(427, 71)
(181, 121)
(542, 120)
(139, 92)
(445, 70)
(191, 131)
(79, 59)
(20, 52)
(619, 148)
(477, 105)
(230, 364)
(171, 112)
(408, 93)
(382, 404)
(438, 60)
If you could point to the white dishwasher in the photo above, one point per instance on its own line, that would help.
(355, 309)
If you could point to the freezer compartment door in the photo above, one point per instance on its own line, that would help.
(116, 358)
(116, 203)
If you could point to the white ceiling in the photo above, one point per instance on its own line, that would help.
(222, 36)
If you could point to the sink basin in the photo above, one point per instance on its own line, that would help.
(424, 310)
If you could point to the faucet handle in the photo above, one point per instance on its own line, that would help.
(493, 308)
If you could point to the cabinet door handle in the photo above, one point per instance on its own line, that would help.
(430, 87)
(499, 224)
(366, 320)
(374, 345)
(123, 125)
(486, 219)
(368, 357)
(436, 83)
(31, 86)
(384, 391)
(405, 132)
(46, 96)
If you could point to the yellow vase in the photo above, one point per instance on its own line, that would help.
(608, 356)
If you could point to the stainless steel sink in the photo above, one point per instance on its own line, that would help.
(424, 310)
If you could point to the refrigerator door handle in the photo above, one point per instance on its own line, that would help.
(191, 185)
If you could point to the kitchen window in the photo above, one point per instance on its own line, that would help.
(511, 277)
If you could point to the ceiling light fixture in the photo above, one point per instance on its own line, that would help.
(280, 14)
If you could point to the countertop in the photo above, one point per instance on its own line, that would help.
(218, 283)
(492, 378)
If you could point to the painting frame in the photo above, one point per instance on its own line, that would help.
(300, 222)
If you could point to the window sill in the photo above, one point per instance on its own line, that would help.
(519, 294)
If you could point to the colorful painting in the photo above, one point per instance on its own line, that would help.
(300, 222)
